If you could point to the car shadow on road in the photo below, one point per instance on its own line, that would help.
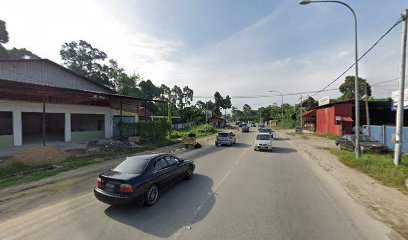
(179, 207)
(283, 150)
(280, 139)
(240, 145)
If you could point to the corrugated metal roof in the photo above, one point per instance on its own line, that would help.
(48, 73)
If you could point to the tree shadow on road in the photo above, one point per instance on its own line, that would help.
(177, 208)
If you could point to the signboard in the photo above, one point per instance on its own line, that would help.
(395, 96)
(324, 101)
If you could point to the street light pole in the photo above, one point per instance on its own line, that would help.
(356, 94)
(281, 105)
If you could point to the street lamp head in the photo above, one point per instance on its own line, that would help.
(304, 2)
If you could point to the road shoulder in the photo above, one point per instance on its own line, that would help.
(383, 203)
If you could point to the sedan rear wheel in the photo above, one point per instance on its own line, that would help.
(190, 172)
(151, 195)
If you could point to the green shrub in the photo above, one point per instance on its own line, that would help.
(149, 131)
(202, 130)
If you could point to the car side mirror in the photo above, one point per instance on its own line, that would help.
(181, 161)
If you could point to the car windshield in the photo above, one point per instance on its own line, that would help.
(222, 134)
(133, 165)
(364, 138)
(263, 137)
(266, 130)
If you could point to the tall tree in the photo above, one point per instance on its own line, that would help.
(177, 96)
(21, 53)
(188, 95)
(14, 52)
(347, 88)
(218, 102)
(4, 38)
(149, 90)
(84, 59)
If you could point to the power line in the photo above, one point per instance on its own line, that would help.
(375, 44)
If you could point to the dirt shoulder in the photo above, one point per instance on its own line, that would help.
(383, 203)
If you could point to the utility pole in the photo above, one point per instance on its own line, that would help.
(301, 112)
(367, 112)
(169, 110)
(400, 109)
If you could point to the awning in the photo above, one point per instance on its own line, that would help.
(346, 119)
(310, 113)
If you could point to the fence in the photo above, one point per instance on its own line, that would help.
(385, 135)
(181, 126)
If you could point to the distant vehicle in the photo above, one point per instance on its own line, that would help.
(263, 141)
(140, 178)
(367, 144)
(245, 128)
(267, 130)
(237, 123)
(253, 125)
(224, 138)
(260, 127)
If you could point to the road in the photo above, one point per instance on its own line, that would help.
(236, 193)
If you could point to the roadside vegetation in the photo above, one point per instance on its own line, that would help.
(19, 173)
(200, 131)
(378, 166)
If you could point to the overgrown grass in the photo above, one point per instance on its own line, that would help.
(200, 131)
(70, 163)
(329, 136)
(378, 166)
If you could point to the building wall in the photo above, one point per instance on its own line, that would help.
(326, 121)
(17, 107)
(45, 73)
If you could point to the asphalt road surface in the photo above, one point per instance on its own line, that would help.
(236, 193)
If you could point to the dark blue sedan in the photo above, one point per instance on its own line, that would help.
(141, 178)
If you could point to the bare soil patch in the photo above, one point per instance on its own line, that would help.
(40, 156)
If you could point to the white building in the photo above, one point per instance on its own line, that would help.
(40, 99)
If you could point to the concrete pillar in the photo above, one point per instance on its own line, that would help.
(17, 128)
(108, 125)
(67, 130)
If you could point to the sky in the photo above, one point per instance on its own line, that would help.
(237, 47)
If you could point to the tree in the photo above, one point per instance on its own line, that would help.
(4, 38)
(21, 53)
(188, 95)
(149, 90)
(218, 102)
(86, 60)
(14, 52)
(347, 88)
(177, 96)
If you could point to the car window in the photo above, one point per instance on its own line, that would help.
(134, 165)
(263, 137)
(160, 164)
(223, 134)
(171, 160)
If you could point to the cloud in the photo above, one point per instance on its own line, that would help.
(53, 23)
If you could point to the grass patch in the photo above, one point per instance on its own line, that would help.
(200, 131)
(378, 166)
(70, 163)
(328, 136)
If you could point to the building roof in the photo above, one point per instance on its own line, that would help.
(42, 71)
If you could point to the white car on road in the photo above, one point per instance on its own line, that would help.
(263, 141)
